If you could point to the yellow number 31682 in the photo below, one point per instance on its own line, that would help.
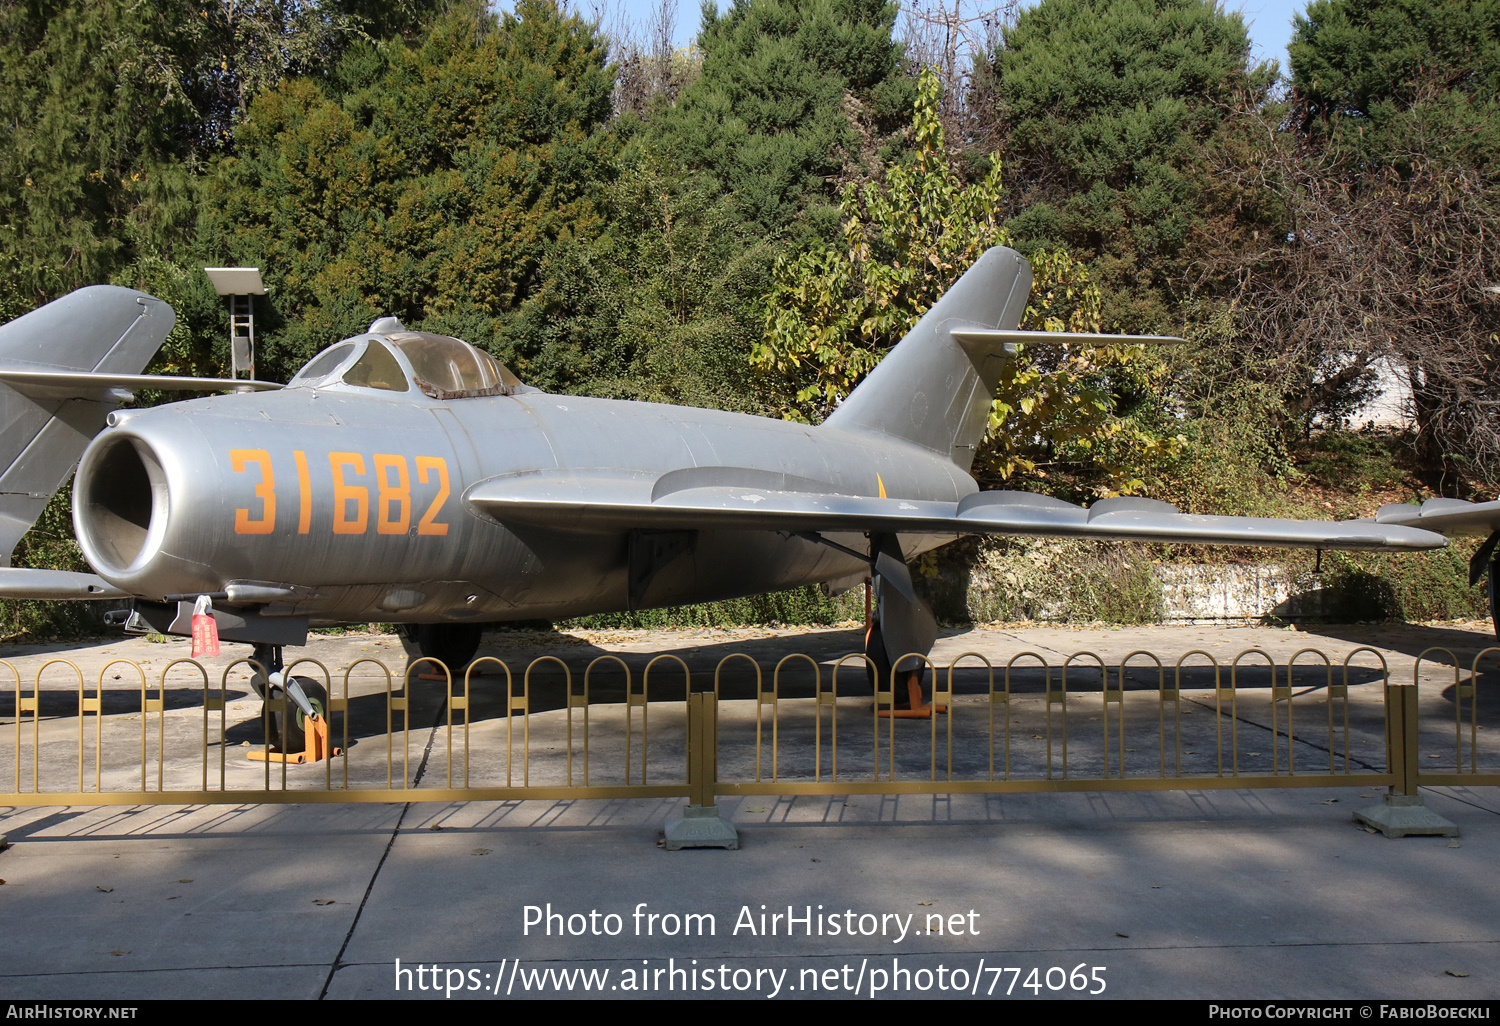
(351, 501)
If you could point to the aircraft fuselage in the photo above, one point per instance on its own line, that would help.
(348, 505)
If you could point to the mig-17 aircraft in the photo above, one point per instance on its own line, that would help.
(408, 477)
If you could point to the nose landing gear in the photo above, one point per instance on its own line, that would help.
(294, 711)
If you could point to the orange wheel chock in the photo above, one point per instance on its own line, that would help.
(919, 710)
(315, 748)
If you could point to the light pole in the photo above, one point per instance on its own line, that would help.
(240, 284)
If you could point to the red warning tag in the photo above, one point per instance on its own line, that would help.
(205, 628)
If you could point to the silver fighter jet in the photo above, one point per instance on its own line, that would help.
(407, 477)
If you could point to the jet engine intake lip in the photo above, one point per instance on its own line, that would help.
(123, 505)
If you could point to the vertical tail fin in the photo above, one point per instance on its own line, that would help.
(44, 427)
(931, 389)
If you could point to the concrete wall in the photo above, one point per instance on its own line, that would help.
(1217, 594)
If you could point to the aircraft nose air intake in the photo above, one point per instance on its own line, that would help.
(121, 505)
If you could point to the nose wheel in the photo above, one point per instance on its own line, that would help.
(297, 723)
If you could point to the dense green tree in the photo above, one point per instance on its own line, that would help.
(665, 305)
(246, 46)
(432, 181)
(1363, 64)
(769, 118)
(1107, 105)
(98, 119)
(110, 107)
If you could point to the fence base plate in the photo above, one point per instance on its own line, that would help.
(699, 826)
(1404, 815)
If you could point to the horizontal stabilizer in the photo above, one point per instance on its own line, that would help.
(936, 386)
(990, 337)
(617, 504)
(91, 384)
(54, 585)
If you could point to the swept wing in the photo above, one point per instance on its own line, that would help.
(603, 502)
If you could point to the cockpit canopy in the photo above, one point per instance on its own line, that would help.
(400, 361)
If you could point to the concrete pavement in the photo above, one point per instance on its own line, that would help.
(1172, 894)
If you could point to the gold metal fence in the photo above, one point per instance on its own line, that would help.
(1425, 747)
(802, 726)
(1084, 724)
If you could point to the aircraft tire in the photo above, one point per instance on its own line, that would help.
(875, 649)
(288, 725)
(453, 643)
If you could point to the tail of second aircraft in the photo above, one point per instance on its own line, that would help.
(60, 371)
(935, 387)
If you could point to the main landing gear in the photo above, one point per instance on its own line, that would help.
(1495, 596)
(909, 700)
(1487, 560)
(452, 643)
(298, 731)
(1494, 590)
(899, 628)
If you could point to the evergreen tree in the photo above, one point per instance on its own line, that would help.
(430, 181)
(1362, 64)
(95, 101)
(112, 105)
(1108, 104)
(665, 305)
(769, 117)
(247, 46)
